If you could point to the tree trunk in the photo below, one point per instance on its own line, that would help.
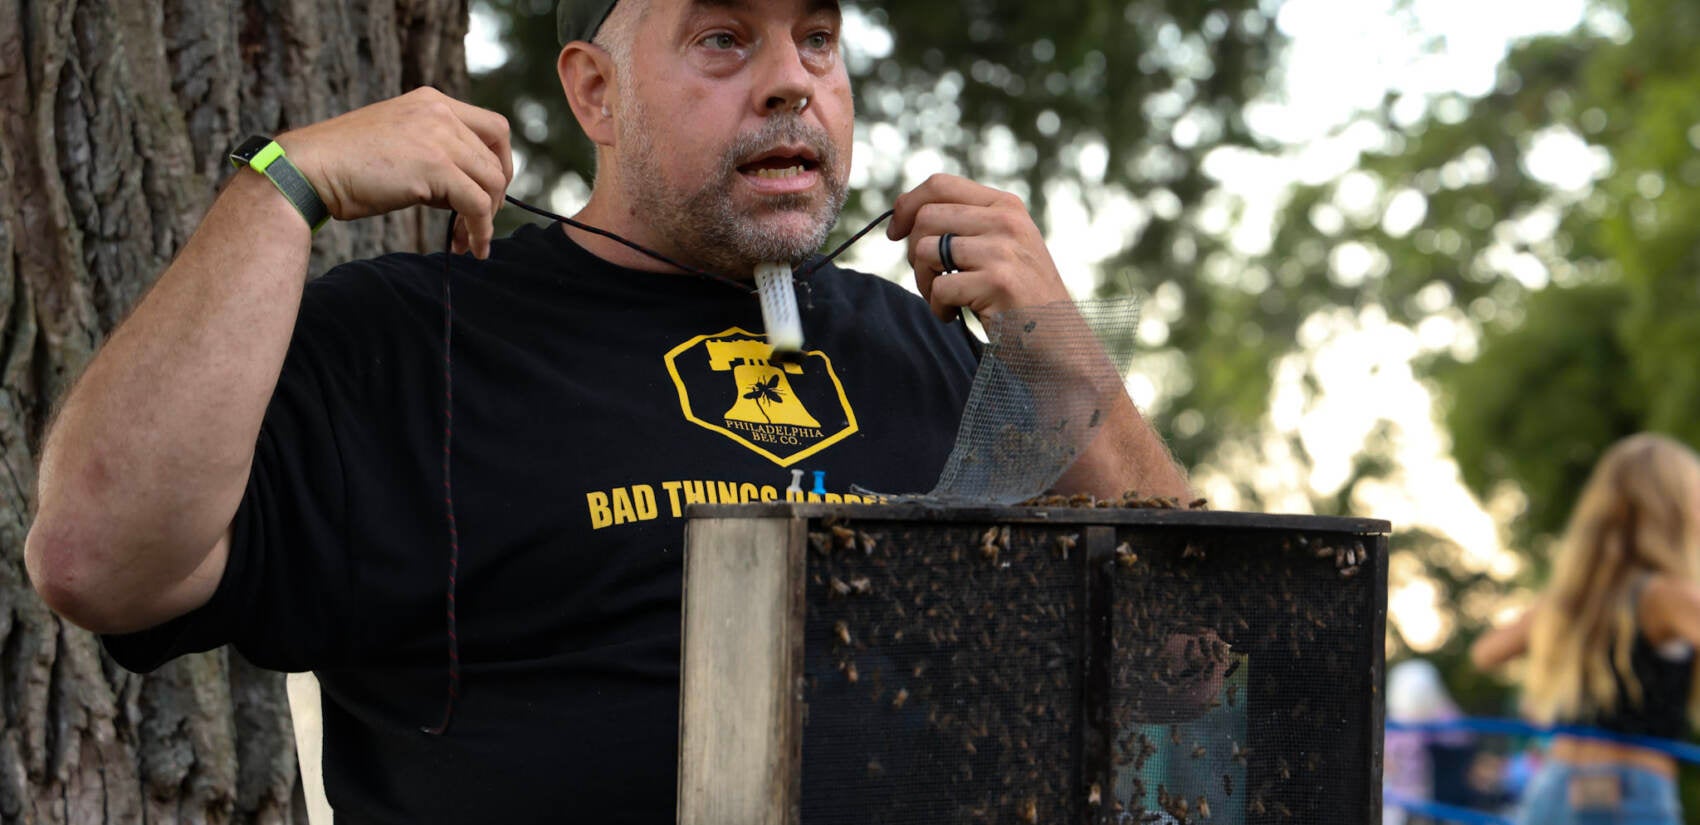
(115, 120)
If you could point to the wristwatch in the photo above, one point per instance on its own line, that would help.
(264, 155)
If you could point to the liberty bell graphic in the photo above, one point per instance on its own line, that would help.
(764, 393)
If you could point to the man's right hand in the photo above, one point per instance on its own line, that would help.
(422, 148)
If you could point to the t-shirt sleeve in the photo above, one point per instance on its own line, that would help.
(285, 588)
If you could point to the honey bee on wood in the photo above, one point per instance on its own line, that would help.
(1198, 504)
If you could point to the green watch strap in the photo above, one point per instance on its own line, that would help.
(266, 156)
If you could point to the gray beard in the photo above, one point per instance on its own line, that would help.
(706, 226)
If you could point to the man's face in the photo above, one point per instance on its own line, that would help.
(714, 150)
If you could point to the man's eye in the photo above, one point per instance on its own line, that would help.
(818, 40)
(721, 40)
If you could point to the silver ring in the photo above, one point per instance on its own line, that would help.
(946, 260)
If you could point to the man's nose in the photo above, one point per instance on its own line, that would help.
(785, 83)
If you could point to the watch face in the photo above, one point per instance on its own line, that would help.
(248, 149)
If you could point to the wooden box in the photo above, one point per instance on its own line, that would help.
(908, 664)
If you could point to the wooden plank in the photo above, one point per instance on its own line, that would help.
(740, 738)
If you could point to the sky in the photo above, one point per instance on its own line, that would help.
(1345, 57)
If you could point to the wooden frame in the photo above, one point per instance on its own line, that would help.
(741, 725)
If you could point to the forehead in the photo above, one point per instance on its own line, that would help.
(675, 9)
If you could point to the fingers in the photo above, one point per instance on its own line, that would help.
(1000, 256)
(944, 189)
(476, 222)
(491, 130)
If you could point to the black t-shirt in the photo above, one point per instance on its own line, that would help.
(591, 405)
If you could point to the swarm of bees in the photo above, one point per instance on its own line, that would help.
(951, 656)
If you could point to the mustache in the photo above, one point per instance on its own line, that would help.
(782, 130)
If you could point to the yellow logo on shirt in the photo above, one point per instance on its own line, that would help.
(784, 411)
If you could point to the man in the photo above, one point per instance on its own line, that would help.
(256, 462)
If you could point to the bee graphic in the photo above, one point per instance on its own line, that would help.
(764, 392)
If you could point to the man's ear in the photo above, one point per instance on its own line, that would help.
(587, 75)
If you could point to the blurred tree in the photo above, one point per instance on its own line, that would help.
(116, 123)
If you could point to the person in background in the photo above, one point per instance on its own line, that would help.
(1415, 695)
(1611, 639)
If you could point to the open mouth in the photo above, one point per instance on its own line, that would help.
(781, 164)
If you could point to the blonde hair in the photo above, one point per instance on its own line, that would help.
(1636, 516)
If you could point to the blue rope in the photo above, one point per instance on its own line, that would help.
(1437, 811)
(1682, 751)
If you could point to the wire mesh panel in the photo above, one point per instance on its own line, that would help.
(941, 673)
(1240, 663)
(1056, 665)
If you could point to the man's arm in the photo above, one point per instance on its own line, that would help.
(147, 461)
(1003, 265)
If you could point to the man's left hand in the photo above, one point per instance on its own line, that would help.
(1001, 257)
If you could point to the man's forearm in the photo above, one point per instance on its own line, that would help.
(146, 463)
(1127, 455)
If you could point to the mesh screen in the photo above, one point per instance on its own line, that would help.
(941, 675)
(1046, 383)
(984, 673)
(1238, 674)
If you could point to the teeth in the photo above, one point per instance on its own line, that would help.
(779, 174)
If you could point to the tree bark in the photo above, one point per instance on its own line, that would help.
(115, 120)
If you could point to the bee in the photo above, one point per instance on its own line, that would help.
(1095, 795)
(1257, 807)
(1198, 504)
(839, 588)
(1203, 807)
(841, 631)
(1192, 552)
(861, 586)
(1065, 543)
(1240, 754)
(898, 700)
(1198, 752)
(1284, 811)
(875, 768)
(844, 536)
(1282, 769)
(1175, 734)
(851, 673)
(818, 541)
(1232, 690)
(867, 543)
(1030, 811)
(1125, 555)
(1227, 784)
